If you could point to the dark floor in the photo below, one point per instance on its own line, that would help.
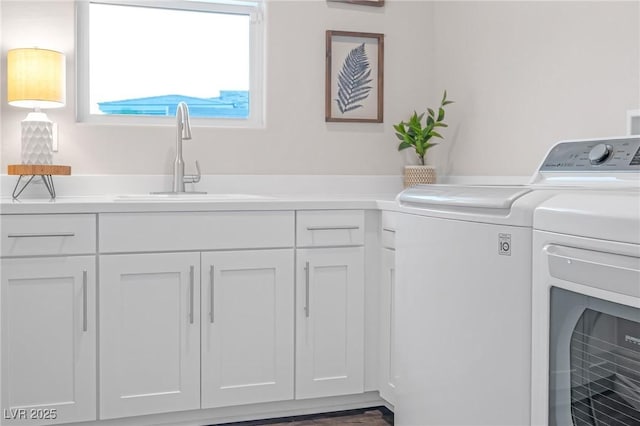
(377, 416)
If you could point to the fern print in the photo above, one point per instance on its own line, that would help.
(353, 80)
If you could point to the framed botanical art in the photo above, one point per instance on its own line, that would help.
(354, 77)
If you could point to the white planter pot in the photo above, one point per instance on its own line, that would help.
(415, 175)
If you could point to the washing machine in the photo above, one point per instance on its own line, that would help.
(464, 282)
(586, 309)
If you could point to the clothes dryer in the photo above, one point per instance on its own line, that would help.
(586, 310)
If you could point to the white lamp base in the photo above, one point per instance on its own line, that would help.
(37, 139)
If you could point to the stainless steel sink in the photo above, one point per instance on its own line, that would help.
(186, 196)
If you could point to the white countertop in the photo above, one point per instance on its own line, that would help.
(95, 193)
(98, 193)
(109, 203)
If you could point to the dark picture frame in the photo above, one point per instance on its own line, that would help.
(377, 3)
(354, 82)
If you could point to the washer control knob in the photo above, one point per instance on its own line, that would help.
(600, 153)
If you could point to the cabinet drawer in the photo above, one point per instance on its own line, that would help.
(388, 230)
(176, 231)
(48, 234)
(318, 228)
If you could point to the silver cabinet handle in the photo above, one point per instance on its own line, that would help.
(84, 301)
(211, 294)
(389, 230)
(191, 283)
(306, 285)
(332, 228)
(42, 235)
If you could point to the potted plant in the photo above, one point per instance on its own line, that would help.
(413, 134)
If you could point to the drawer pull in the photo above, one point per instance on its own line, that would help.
(191, 289)
(42, 235)
(84, 301)
(389, 230)
(333, 228)
(211, 300)
(306, 286)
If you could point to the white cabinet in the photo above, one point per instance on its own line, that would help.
(388, 375)
(160, 312)
(48, 340)
(47, 234)
(48, 334)
(191, 328)
(329, 228)
(329, 321)
(149, 333)
(329, 303)
(247, 327)
(195, 231)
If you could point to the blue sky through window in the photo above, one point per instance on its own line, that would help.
(142, 59)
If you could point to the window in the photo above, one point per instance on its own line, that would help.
(137, 60)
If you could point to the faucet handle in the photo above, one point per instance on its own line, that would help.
(193, 178)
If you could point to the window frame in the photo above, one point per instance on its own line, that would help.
(255, 9)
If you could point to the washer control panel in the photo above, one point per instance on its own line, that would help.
(592, 156)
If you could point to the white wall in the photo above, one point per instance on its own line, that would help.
(527, 74)
(523, 75)
(296, 139)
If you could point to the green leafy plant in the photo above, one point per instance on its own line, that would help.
(412, 134)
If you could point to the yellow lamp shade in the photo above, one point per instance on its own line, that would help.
(35, 78)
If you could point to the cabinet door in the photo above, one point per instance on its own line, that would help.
(149, 333)
(247, 327)
(329, 322)
(387, 324)
(48, 340)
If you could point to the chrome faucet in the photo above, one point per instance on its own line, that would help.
(183, 132)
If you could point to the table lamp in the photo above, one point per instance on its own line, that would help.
(36, 79)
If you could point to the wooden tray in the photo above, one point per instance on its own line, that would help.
(37, 169)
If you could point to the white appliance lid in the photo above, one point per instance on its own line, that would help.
(487, 197)
(605, 215)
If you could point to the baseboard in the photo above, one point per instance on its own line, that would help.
(250, 412)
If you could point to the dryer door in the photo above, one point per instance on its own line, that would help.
(594, 363)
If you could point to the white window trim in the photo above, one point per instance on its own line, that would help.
(257, 74)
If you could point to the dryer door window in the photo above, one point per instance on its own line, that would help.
(594, 362)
